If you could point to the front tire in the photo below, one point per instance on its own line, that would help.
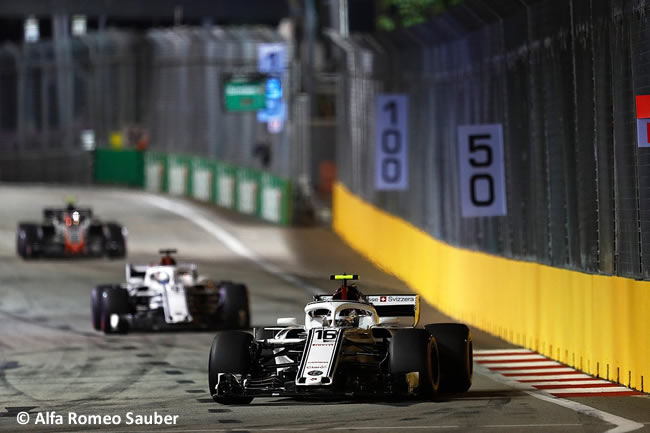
(26, 237)
(115, 300)
(456, 358)
(229, 353)
(415, 350)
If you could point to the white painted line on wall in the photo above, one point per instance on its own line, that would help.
(592, 381)
(522, 357)
(550, 377)
(495, 351)
(512, 365)
(537, 370)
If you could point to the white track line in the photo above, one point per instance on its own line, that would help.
(589, 390)
(622, 425)
(227, 238)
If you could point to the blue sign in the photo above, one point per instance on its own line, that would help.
(275, 106)
(271, 58)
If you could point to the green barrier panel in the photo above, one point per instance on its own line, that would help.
(203, 179)
(179, 174)
(275, 199)
(119, 167)
(248, 191)
(155, 172)
(225, 191)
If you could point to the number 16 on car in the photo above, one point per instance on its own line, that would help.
(482, 177)
(391, 151)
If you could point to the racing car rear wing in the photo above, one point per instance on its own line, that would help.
(404, 309)
(401, 310)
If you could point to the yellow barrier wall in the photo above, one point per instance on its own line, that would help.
(597, 324)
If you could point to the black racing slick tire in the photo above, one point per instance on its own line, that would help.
(26, 237)
(115, 241)
(415, 350)
(230, 353)
(234, 312)
(115, 300)
(456, 359)
(96, 307)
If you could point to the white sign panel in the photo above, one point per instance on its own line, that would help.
(391, 142)
(153, 173)
(482, 176)
(177, 179)
(247, 196)
(226, 188)
(271, 204)
(202, 184)
(271, 58)
(643, 138)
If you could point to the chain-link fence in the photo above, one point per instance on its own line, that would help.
(561, 77)
(168, 83)
(189, 69)
(52, 91)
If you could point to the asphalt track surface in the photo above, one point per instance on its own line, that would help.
(51, 360)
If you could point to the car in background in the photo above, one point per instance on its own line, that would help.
(169, 296)
(70, 232)
(349, 345)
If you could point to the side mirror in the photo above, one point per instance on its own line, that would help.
(287, 321)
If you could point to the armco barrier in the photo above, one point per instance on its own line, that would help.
(119, 167)
(155, 172)
(597, 324)
(245, 190)
(275, 199)
(203, 175)
(179, 175)
(226, 178)
(248, 191)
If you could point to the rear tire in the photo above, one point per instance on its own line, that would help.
(229, 353)
(235, 313)
(115, 241)
(415, 350)
(456, 359)
(115, 300)
(26, 237)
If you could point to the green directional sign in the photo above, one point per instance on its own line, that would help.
(245, 94)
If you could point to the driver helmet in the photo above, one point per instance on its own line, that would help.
(167, 261)
(347, 293)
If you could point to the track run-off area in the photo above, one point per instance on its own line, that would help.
(54, 364)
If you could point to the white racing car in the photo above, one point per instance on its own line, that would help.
(349, 345)
(168, 296)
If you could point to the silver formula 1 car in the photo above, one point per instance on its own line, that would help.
(70, 232)
(349, 345)
(168, 296)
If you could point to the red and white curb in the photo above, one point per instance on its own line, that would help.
(535, 370)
